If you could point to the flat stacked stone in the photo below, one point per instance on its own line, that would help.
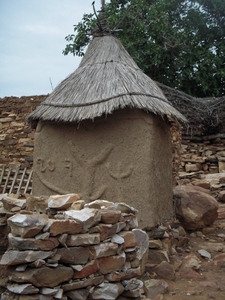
(205, 155)
(58, 252)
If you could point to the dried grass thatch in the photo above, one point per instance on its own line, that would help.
(107, 79)
(206, 116)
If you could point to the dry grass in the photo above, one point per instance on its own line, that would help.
(206, 116)
(107, 79)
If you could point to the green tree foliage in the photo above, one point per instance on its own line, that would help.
(178, 43)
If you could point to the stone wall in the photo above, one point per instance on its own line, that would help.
(203, 164)
(204, 155)
(62, 249)
(16, 136)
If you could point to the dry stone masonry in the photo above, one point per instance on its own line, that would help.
(16, 137)
(206, 155)
(203, 165)
(62, 248)
(37, 248)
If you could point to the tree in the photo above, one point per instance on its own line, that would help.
(179, 43)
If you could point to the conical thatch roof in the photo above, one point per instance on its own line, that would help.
(107, 79)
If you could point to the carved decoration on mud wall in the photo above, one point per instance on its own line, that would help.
(88, 166)
(119, 175)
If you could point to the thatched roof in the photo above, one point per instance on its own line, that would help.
(206, 116)
(107, 79)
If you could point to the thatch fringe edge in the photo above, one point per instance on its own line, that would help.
(54, 104)
(68, 114)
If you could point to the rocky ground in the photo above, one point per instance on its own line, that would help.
(203, 277)
(194, 268)
(207, 278)
(3, 246)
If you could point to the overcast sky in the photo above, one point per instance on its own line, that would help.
(32, 37)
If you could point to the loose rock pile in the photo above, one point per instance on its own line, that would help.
(62, 248)
(66, 249)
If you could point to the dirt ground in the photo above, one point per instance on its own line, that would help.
(3, 247)
(213, 284)
(211, 287)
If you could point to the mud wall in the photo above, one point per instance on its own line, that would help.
(127, 153)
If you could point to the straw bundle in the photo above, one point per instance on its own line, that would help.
(107, 79)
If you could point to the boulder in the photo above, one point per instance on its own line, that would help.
(27, 225)
(83, 239)
(153, 287)
(110, 216)
(73, 255)
(103, 250)
(111, 263)
(221, 211)
(90, 268)
(107, 291)
(79, 294)
(11, 202)
(43, 276)
(129, 239)
(127, 274)
(142, 247)
(15, 257)
(194, 208)
(64, 226)
(190, 267)
(165, 271)
(88, 217)
(74, 285)
(32, 243)
(221, 196)
(61, 202)
(22, 289)
(38, 204)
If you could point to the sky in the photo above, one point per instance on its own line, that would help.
(32, 38)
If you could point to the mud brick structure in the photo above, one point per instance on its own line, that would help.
(104, 132)
(125, 157)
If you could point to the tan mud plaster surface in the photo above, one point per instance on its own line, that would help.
(124, 157)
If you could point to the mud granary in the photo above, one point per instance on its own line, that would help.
(104, 133)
